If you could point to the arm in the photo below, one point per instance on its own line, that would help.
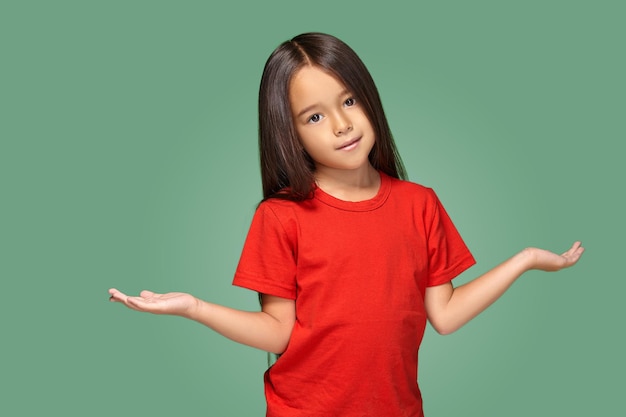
(269, 329)
(449, 308)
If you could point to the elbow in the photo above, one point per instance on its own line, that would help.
(444, 331)
(443, 327)
(278, 348)
(280, 343)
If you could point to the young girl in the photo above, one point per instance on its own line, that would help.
(350, 259)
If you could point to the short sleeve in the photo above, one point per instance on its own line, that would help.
(267, 263)
(448, 254)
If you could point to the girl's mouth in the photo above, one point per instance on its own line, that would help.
(349, 145)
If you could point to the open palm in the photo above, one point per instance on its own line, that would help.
(548, 261)
(174, 303)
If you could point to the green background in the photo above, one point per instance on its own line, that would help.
(128, 158)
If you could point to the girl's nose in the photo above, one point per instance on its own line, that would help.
(343, 125)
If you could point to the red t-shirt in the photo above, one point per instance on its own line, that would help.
(358, 272)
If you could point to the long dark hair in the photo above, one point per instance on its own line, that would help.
(286, 169)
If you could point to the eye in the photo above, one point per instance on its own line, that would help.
(349, 102)
(315, 118)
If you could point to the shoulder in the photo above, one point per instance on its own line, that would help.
(413, 191)
(281, 205)
(281, 211)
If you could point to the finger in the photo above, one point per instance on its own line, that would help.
(573, 249)
(143, 304)
(578, 253)
(574, 254)
(116, 295)
(136, 303)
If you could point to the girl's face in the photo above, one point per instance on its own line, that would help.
(330, 122)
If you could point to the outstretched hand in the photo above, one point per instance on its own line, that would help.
(174, 303)
(548, 261)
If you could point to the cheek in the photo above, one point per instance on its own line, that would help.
(365, 121)
(308, 139)
(312, 150)
(302, 138)
(306, 146)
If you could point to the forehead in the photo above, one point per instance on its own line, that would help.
(310, 85)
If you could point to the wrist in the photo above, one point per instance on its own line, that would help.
(528, 258)
(193, 311)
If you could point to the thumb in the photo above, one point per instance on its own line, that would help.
(146, 294)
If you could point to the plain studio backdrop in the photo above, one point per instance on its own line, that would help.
(128, 158)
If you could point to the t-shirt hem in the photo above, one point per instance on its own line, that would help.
(451, 273)
(263, 287)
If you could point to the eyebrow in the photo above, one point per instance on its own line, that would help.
(312, 106)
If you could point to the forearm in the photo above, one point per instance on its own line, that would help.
(268, 330)
(257, 329)
(452, 308)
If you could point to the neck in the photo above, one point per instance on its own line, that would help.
(349, 185)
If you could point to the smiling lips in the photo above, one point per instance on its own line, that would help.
(349, 145)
